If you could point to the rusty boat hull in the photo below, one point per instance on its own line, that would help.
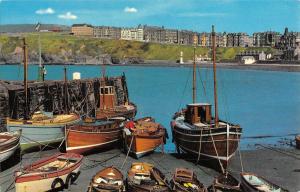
(91, 137)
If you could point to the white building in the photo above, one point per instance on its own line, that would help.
(135, 34)
(248, 60)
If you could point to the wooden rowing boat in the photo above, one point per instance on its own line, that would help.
(144, 177)
(185, 180)
(225, 183)
(9, 142)
(42, 129)
(51, 173)
(143, 136)
(297, 138)
(90, 137)
(251, 182)
(109, 179)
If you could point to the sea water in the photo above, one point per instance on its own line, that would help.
(265, 103)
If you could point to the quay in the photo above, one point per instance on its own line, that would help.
(281, 166)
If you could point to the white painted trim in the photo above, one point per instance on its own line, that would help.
(207, 135)
(87, 146)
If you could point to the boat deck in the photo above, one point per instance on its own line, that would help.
(275, 166)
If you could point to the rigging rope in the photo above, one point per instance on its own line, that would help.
(183, 93)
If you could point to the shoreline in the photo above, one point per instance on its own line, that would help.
(261, 67)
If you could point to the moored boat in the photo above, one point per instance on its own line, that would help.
(225, 183)
(251, 182)
(51, 173)
(197, 133)
(144, 177)
(42, 129)
(88, 137)
(109, 179)
(185, 180)
(143, 136)
(9, 142)
(297, 138)
(38, 128)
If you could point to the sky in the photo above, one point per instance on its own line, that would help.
(197, 15)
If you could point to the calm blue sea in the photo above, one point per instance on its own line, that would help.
(264, 103)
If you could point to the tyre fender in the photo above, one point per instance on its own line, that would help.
(55, 183)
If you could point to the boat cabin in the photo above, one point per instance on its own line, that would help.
(107, 97)
(198, 113)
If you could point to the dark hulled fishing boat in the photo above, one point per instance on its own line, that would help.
(196, 132)
(144, 177)
(109, 179)
(98, 135)
(185, 180)
(143, 136)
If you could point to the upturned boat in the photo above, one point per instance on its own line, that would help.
(144, 177)
(225, 183)
(185, 180)
(51, 173)
(251, 182)
(197, 133)
(143, 136)
(39, 128)
(9, 142)
(92, 136)
(109, 179)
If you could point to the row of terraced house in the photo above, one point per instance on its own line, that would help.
(145, 33)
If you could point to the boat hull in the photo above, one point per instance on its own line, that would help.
(218, 144)
(140, 188)
(143, 145)
(37, 135)
(97, 139)
(128, 113)
(8, 147)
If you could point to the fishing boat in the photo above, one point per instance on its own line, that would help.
(143, 136)
(51, 173)
(40, 128)
(9, 143)
(225, 183)
(98, 135)
(196, 132)
(144, 177)
(185, 180)
(297, 138)
(109, 107)
(251, 182)
(109, 179)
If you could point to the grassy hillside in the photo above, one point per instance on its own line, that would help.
(54, 43)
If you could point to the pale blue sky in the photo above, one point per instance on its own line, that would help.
(228, 15)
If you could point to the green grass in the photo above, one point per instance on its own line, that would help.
(58, 43)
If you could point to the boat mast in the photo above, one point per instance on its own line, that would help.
(66, 90)
(25, 60)
(194, 70)
(213, 34)
(103, 80)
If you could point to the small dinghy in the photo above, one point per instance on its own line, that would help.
(143, 136)
(9, 142)
(225, 183)
(185, 180)
(253, 183)
(109, 179)
(51, 173)
(144, 177)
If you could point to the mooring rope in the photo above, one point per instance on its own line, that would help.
(200, 145)
(128, 151)
(223, 171)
